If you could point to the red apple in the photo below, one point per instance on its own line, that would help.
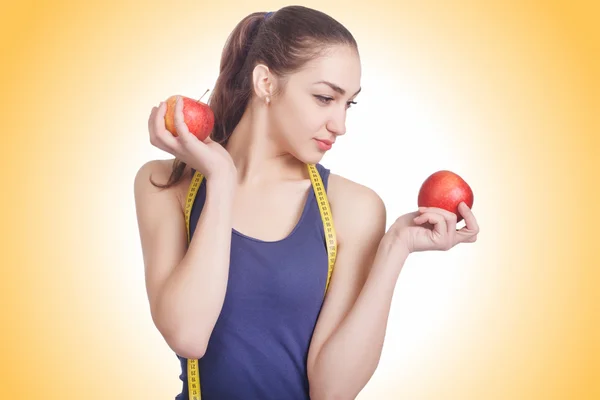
(445, 189)
(198, 117)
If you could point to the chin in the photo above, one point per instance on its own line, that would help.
(311, 157)
(306, 153)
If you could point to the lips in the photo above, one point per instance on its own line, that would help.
(327, 142)
(324, 144)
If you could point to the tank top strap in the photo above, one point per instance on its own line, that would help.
(324, 172)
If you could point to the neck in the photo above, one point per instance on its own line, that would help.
(257, 155)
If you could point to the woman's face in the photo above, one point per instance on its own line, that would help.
(310, 112)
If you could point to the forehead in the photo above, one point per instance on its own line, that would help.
(339, 65)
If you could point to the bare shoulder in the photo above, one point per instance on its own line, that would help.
(159, 171)
(355, 206)
(347, 194)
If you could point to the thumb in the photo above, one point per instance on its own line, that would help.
(208, 140)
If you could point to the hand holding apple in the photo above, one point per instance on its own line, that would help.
(444, 200)
(208, 157)
(432, 229)
(198, 117)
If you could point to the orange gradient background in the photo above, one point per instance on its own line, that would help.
(511, 88)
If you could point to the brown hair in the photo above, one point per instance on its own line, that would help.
(284, 41)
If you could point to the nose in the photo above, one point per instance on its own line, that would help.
(337, 122)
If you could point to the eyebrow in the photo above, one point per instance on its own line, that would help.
(337, 88)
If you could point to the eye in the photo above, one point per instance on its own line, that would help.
(324, 99)
(327, 100)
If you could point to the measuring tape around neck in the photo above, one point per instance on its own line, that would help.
(193, 372)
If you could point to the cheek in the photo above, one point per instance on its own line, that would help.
(305, 131)
(314, 122)
(299, 120)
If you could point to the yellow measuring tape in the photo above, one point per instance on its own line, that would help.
(193, 372)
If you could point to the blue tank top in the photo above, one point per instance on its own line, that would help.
(259, 346)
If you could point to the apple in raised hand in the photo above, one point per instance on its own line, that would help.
(445, 189)
(198, 116)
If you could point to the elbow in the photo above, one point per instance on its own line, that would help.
(190, 353)
(186, 341)
(191, 347)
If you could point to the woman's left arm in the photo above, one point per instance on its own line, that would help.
(349, 335)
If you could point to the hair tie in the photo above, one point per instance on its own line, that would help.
(267, 15)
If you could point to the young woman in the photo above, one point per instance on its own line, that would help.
(248, 300)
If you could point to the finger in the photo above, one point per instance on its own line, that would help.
(437, 221)
(162, 109)
(470, 239)
(464, 235)
(469, 217)
(180, 125)
(151, 118)
(208, 140)
(471, 228)
(160, 129)
(449, 216)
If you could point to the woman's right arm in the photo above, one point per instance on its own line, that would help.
(185, 287)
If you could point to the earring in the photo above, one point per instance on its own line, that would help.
(268, 99)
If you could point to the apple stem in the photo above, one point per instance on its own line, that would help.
(203, 95)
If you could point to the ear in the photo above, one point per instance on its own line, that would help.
(262, 82)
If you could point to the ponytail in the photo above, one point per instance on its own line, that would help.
(232, 91)
(233, 88)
